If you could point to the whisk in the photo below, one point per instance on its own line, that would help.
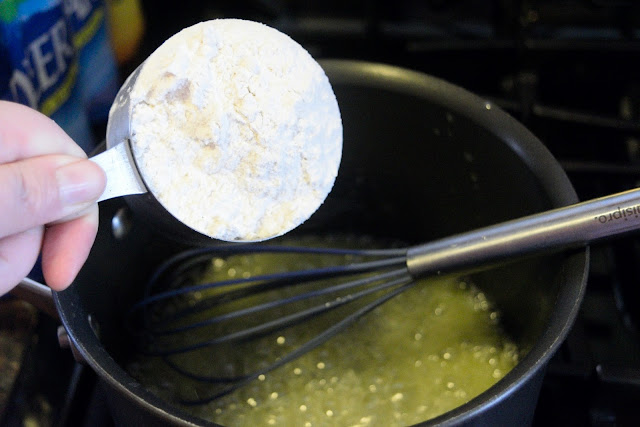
(372, 275)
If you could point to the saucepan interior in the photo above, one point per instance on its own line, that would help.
(422, 159)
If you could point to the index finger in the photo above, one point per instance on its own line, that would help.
(24, 133)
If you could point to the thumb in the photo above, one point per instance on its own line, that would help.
(45, 189)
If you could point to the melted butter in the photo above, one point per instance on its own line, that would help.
(423, 353)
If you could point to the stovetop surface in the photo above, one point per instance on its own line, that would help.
(566, 69)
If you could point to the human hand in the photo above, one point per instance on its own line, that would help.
(48, 193)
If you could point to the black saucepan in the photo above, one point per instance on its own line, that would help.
(422, 159)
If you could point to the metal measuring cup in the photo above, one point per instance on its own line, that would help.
(124, 178)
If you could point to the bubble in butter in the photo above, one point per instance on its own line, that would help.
(423, 353)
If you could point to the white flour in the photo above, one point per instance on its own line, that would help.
(236, 130)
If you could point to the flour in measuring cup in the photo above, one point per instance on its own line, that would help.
(236, 130)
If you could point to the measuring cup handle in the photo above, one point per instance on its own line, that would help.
(122, 176)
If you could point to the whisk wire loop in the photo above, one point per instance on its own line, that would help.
(402, 283)
(371, 276)
(264, 283)
(289, 277)
(389, 280)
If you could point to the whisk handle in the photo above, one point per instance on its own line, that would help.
(572, 226)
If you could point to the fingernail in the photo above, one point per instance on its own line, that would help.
(80, 182)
